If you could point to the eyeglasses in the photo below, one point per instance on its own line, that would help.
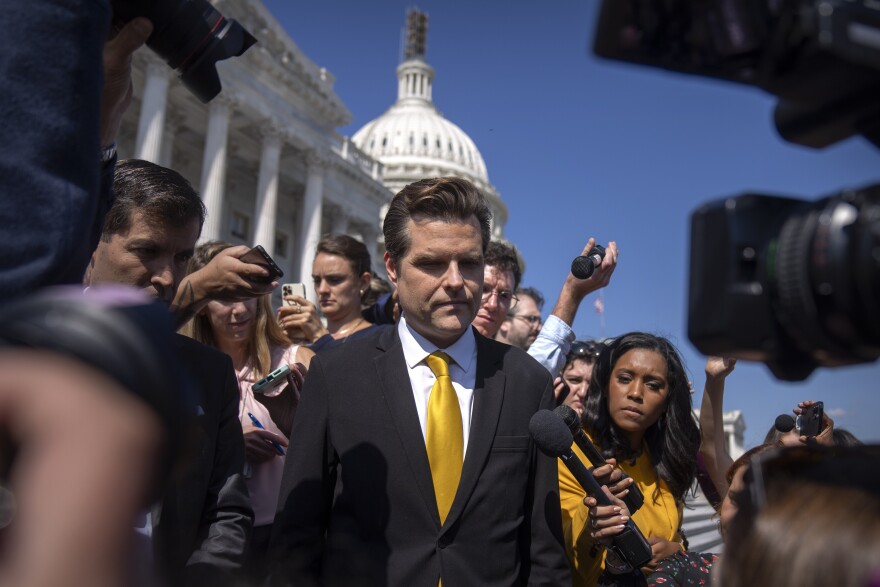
(584, 349)
(504, 297)
(532, 320)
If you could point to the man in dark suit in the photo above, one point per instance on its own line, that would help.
(198, 533)
(411, 467)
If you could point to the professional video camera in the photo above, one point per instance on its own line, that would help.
(794, 284)
(191, 36)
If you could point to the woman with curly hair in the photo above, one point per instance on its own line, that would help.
(639, 415)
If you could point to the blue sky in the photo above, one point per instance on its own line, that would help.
(578, 146)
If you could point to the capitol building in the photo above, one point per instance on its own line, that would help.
(265, 154)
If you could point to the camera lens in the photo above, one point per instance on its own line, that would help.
(827, 269)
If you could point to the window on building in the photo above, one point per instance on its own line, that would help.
(239, 225)
(281, 245)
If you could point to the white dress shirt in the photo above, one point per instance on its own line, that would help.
(462, 371)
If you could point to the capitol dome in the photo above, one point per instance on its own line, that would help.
(414, 141)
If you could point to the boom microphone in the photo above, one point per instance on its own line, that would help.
(634, 499)
(554, 439)
(582, 267)
(784, 423)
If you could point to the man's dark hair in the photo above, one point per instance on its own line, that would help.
(350, 249)
(504, 258)
(532, 293)
(448, 199)
(162, 195)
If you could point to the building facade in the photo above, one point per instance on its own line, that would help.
(264, 154)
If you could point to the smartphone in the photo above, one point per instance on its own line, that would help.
(293, 289)
(809, 423)
(272, 380)
(259, 256)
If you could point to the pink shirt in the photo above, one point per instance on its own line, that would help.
(264, 482)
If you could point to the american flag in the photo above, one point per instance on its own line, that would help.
(599, 305)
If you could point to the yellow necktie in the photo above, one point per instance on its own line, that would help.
(444, 436)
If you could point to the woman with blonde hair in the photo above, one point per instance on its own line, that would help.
(247, 331)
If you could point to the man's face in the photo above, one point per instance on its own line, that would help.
(149, 256)
(523, 327)
(440, 277)
(497, 289)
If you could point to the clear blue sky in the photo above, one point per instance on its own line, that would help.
(578, 146)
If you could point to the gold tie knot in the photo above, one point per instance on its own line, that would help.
(439, 364)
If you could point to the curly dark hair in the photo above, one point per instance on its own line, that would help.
(673, 441)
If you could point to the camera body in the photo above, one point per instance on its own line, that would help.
(809, 422)
(790, 283)
(191, 36)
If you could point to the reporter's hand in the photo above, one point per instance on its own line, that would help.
(661, 549)
(611, 476)
(300, 321)
(580, 288)
(258, 443)
(826, 434)
(718, 368)
(117, 92)
(606, 521)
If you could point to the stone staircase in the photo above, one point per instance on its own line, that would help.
(701, 524)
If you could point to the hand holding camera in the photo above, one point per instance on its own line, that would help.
(813, 424)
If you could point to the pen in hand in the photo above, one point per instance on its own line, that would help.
(257, 423)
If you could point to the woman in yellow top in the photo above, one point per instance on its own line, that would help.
(638, 412)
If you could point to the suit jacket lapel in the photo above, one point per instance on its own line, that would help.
(397, 392)
(488, 398)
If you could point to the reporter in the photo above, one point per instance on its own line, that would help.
(246, 331)
(341, 276)
(639, 414)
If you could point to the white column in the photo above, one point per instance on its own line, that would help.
(310, 232)
(214, 166)
(371, 237)
(148, 144)
(340, 221)
(267, 189)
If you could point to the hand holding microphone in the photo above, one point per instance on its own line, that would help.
(583, 266)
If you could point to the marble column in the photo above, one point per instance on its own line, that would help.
(214, 166)
(148, 144)
(310, 232)
(267, 189)
(371, 237)
(173, 123)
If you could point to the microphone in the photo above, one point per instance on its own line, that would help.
(583, 266)
(634, 499)
(554, 439)
(784, 423)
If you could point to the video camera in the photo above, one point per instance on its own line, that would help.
(791, 283)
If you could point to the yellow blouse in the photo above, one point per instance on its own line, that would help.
(659, 516)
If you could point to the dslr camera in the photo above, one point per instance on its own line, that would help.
(788, 282)
(191, 36)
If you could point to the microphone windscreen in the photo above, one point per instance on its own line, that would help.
(569, 416)
(550, 433)
(582, 267)
(784, 423)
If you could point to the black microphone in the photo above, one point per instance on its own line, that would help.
(634, 499)
(582, 267)
(784, 423)
(554, 439)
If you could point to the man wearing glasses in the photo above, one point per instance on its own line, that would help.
(523, 322)
(501, 275)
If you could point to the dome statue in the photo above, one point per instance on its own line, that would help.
(414, 141)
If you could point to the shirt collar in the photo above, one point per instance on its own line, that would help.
(416, 347)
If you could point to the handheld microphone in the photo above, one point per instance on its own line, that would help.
(634, 499)
(583, 266)
(554, 439)
(784, 423)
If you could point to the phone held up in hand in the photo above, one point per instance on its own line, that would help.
(809, 423)
(272, 380)
(259, 256)
(292, 289)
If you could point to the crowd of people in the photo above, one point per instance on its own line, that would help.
(164, 424)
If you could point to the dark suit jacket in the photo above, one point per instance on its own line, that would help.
(203, 524)
(357, 503)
